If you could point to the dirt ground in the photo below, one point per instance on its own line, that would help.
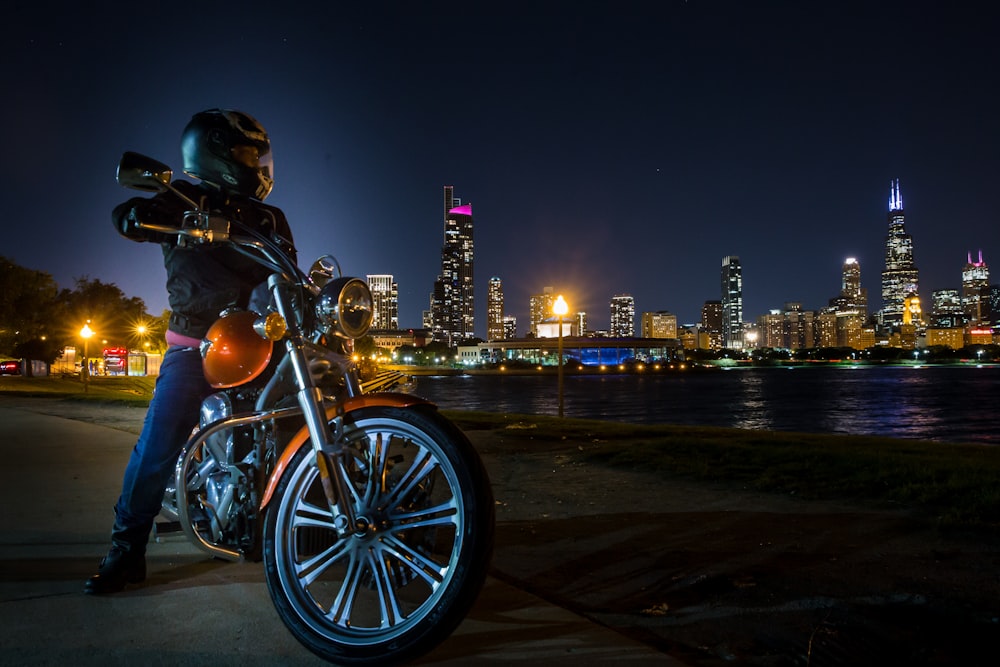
(716, 575)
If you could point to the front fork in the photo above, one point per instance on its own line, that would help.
(326, 442)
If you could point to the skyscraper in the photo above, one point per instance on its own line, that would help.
(539, 308)
(710, 336)
(494, 310)
(847, 312)
(853, 297)
(509, 327)
(385, 298)
(976, 291)
(711, 316)
(452, 306)
(900, 277)
(732, 303)
(946, 308)
(622, 316)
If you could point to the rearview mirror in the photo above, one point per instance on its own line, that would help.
(143, 173)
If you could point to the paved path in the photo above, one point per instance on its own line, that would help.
(58, 482)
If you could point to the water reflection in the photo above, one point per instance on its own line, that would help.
(938, 403)
(751, 407)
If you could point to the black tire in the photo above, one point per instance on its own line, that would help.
(397, 590)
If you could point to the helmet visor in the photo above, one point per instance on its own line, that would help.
(249, 155)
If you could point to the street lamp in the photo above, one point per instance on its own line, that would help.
(86, 332)
(560, 308)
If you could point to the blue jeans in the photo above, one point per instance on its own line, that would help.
(173, 413)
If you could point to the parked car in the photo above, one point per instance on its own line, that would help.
(10, 367)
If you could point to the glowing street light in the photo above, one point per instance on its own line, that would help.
(560, 308)
(86, 332)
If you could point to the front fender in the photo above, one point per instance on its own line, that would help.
(299, 440)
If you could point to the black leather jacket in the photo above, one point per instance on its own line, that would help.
(203, 280)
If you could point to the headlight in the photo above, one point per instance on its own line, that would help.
(345, 307)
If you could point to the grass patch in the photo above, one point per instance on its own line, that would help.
(952, 484)
(132, 391)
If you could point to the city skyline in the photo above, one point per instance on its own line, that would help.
(605, 148)
(897, 243)
(899, 278)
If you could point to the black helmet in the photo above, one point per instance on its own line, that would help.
(229, 149)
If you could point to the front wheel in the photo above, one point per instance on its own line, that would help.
(403, 581)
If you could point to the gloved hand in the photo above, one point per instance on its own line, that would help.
(157, 211)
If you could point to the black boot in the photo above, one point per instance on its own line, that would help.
(118, 568)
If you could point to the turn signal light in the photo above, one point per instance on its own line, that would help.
(271, 327)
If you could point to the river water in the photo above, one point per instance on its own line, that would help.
(946, 403)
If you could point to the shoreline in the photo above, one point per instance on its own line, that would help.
(667, 369)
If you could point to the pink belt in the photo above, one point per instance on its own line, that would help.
(174, 338)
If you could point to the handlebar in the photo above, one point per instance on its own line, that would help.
(202, 227)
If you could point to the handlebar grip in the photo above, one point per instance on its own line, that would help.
(202, 228)
(165, 229)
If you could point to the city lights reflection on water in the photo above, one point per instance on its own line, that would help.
(946, 403)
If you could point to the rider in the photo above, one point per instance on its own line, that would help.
(230, 153)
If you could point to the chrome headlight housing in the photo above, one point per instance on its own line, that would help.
(345, 307)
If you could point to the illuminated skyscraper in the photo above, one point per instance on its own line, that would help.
(732, 303)
(711, 325)
(946, 308)
(494, 310)
(509, 327)
(452, 306)
(622, 316)
(900, 278)
(976, 291)
(539, 309)
(853, 297)
(711, 316)
(849, 310)
(385, 297)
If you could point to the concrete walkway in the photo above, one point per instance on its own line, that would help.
(58, 483)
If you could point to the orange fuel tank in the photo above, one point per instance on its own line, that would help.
(232, 352)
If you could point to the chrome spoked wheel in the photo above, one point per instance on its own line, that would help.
(406, 576)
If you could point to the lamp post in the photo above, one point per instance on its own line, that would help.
(560, 308)
(140, 331)
(86, 332)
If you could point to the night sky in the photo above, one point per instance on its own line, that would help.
(624, 148)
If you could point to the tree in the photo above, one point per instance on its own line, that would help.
(30, 307)
(152, 339)
(365, 346)
(38, 320)
(113, 316)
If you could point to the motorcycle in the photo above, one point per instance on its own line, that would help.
(372, 512)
